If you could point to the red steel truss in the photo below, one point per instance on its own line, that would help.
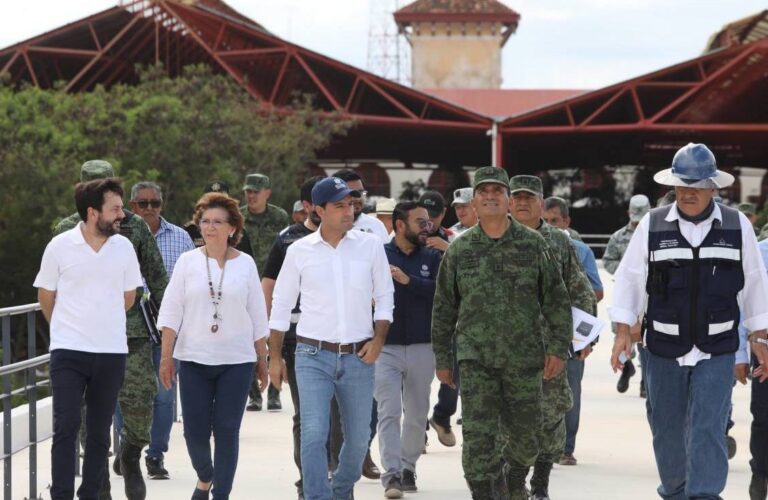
(105, 48)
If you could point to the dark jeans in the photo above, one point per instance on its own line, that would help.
(336, 436)
(758, 439)
(213, 399)
(97, 378)
(448, 398)
(575, 372)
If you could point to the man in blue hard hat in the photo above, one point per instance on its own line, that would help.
(692, 259)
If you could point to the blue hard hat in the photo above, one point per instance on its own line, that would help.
(692, 164)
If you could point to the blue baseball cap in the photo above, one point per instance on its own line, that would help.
(331, 190)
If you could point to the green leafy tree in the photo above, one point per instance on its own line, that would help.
(182, 133)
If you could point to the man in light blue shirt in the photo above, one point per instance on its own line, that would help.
(147, 202)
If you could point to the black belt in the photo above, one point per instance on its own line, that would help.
(352, 348)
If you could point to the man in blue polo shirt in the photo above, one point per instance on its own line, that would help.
(406, 366)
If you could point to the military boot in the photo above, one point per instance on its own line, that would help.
(130, 458)
(515, 475)
(540, 480)
(481, 490)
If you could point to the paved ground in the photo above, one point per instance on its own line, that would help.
(613, 449)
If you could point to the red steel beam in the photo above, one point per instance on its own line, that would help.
(391, 99)
(103, 51)
(636, 102)
(10, 62)
(94, 35)
(279, 79)
(242, 53)
(351, 94)
(64, 52)
(30, 68)
(220, 36)
(603, 107)
(320, 85)
(139, 33)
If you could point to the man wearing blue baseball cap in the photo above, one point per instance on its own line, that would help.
(338, 273)
(692, 259)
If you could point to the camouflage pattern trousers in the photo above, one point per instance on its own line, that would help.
(138, 393)
(501, 410)
(557, 400)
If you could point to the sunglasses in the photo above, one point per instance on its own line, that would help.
(150, 203)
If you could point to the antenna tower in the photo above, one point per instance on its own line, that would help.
(388, 50)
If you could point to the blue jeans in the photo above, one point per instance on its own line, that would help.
(322, 375)
(213, 398)
(690, 412)
(575, 372)
(162, 411)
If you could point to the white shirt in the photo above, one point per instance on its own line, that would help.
(336, 285)
(89, 311)
(188, 310)
(369, 224)
(629, 295)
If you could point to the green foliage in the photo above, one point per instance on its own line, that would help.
(181, 133)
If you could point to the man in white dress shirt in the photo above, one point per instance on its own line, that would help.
(339, 272)
(362, 222)
(695, 262)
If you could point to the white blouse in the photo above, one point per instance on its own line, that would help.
(188, 310)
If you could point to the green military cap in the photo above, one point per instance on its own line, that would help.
(747, 208)
(528, 183)
(256, 182)
(493, 175)
(96, 169)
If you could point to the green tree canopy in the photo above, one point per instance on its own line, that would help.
(182, 133)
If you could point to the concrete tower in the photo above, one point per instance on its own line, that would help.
(456, 43)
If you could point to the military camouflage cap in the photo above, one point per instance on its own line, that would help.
(462, 196)
(747, 208)
(217, 187)
(528, 183)
(639, 205)
(256, 182)
(96, 169)
(298, 206)
(485, 175)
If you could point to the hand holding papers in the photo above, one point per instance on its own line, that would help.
(586, 328)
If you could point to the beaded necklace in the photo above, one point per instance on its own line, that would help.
(215, 297)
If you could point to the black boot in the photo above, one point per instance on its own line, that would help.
(481, 490)
(626, 373)
(758, 488)
(515, 475)
(130, 459)
(540, 480)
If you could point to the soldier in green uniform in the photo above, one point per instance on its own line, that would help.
(140, 385)
(497, 286)
(527, 203)
(263, 222)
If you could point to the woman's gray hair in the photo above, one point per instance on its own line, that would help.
(145, 185)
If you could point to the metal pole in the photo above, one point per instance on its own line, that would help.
(32, 401)
(7, 403)
(494, 132)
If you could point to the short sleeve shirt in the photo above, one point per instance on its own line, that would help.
(90, 286)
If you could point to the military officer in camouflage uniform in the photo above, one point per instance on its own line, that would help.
(496, 287)
(140, 385)
(527, 197)
(263, 222)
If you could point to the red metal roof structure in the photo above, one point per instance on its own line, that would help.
(464, 11)
(392, 121)
(503, 103)
(747, 30)
(718, 98)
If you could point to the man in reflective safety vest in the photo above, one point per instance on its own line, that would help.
(693, 259)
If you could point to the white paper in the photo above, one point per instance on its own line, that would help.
(586, 328)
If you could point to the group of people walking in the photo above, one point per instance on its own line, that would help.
(358, 319)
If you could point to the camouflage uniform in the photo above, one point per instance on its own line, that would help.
(483, 298)
(617, 245)
(557, 393)
(573, 234)
(262, 229)
(763, 233)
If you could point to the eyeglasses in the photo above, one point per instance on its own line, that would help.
(425, 224)
(213, 222)
(148, 203)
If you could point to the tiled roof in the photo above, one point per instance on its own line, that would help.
(457, 6)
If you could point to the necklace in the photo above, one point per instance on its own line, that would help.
(215, 297)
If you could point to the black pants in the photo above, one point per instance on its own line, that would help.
(97, 379)
(758, 440)
(447, 398)
(289, 355)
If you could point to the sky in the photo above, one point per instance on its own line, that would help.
(568, 44)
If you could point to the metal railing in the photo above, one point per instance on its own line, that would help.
(29, 389)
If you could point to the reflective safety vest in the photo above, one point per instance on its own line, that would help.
(692, 291)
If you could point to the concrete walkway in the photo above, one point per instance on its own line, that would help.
(613, 449)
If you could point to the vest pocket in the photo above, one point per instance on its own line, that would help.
(720, 321)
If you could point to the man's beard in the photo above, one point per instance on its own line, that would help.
(315, 218)
(413, 238)
(107, 229)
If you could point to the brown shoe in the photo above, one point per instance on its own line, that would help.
(568, 459)
(444, 433)
(369, 468)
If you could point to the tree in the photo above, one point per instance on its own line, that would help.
(182, 133)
